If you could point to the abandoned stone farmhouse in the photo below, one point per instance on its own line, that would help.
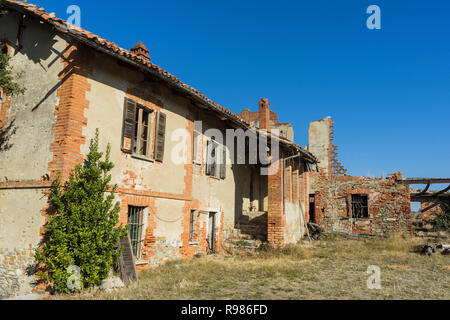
(77, 82)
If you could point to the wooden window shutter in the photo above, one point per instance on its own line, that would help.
(160, 136)
(129, 122)
(213, 166)
(348, 199)
(223, 165)
(208, 157)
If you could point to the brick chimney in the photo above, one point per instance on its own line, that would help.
(264, 114)
(141, 51)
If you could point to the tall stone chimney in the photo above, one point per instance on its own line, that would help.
(141, 51)
(264, 114)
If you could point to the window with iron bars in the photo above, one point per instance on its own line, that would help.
(135, 225)
(360, 206)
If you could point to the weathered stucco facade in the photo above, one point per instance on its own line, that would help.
(26, 123)
(162, 134)
(76, 83)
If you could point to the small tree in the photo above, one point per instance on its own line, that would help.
(442, 221)
(7, 81)
(83, 232)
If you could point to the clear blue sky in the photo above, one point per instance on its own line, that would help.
(387, 90)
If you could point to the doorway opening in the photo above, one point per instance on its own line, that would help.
(212, 232)
(312, 208)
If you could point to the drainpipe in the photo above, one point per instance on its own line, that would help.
(284, 179)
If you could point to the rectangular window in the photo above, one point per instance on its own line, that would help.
(360, 206)
(143, 131)
(197, 144)
(143, 135)
(135, 225)
(193, 226)
(216, 160)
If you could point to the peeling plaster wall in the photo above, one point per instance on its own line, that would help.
(31, 115)
(20, 222)
(232, 194)
(296, 191)
(169, 221)
(25, 154)
(294, 229)
(170, 190)
(109, 86)
(163, 186)
(20, 218)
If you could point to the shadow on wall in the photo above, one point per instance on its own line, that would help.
(38, 43)
(69, 69)
(239, 191)
(5, 135)
(250, 186)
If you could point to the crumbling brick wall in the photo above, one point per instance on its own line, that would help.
(430, 210)
(388, 201)
(267, 119)
(321, 145)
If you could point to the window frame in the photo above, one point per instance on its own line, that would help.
(197, 147)
(193, 219)
(132, 127)
(214, 169)
(136, 243)
(366, 206)
(150, 138)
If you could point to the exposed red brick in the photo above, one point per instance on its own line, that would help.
(276, 220)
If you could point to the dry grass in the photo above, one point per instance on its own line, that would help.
(326, 269)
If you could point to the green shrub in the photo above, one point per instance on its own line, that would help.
(83, 232)
(7, 82)
(442, 221)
